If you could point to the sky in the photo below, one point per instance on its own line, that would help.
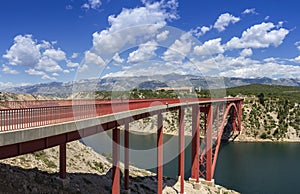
(67, 40)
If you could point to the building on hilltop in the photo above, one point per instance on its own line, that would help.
(180, 89)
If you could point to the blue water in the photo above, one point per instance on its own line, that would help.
(260, 167)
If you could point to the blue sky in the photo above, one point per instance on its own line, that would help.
(65, 40)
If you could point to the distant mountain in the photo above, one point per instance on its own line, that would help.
(60, 89)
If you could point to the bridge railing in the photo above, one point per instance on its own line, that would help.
(21, 118)
(58, 112)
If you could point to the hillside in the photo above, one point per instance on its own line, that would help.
(291, 93)
(8, 96)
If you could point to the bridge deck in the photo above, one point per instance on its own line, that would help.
(26, 124)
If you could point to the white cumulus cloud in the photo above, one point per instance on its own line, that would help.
(72, 64)
(297, 44)
(250, 11)
(135, 22)
(224, 20)
(25, 51)
(74, 55)
(54, 54)
(48, 64)
(91, 4)
(200, 31)
(43, 75)
(179, 49)
(8, 70)
(297, 59)
(272, 70)
(93, 59)
(246, 52)
(259, 36)
(143, 53)
(117, 59)
(210, 47)
(34, 54)
(162, 36)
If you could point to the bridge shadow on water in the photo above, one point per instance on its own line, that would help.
(14, 179)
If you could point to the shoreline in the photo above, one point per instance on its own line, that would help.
(244, 140)
(267, 141)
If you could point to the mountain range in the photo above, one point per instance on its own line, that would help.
(60, 89)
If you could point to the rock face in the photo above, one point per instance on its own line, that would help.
(273, 120)
(88, 172)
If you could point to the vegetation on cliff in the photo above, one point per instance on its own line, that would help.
(270, 112)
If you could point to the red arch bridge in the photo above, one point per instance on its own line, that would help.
(30, 126)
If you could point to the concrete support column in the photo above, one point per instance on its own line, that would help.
(181, 149)
(116, 161)
(63, 161)
(159, 153)
(195, 142)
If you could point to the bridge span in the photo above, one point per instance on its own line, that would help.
(26, 127)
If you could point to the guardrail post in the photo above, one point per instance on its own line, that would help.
(159, 153)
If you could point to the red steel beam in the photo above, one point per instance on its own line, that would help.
(240, 114)
(209, 120)
(126, 156)
(63, 161)
(159, 153)
(233, 117)
(218, 141)
(116, 161)
(195, 142)
(181, 149)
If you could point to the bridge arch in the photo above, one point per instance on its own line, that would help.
(208, 156)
